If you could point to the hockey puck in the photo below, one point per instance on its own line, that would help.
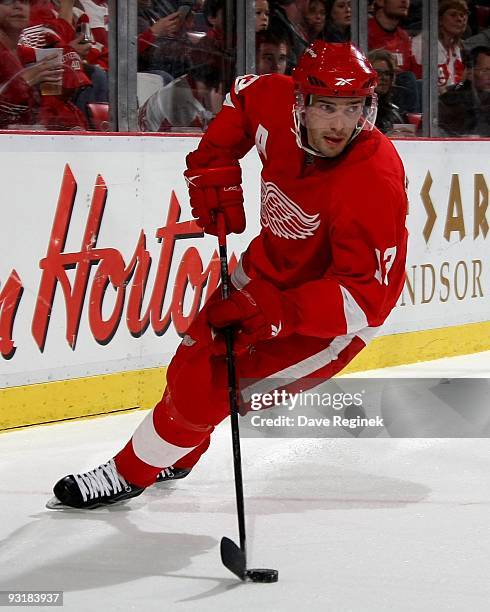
(262, 575)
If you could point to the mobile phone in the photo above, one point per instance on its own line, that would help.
(184, 10)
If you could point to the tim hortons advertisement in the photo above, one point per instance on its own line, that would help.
(102, 267)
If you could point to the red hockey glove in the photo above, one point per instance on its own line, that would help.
(213, 190)
(259, 310)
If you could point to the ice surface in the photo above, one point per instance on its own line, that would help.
(351, 524)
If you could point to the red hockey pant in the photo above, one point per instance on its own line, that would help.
(195, 400)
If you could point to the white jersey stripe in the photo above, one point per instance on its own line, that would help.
(355, 317)
(228, 101)
(152, 449)
(301, 369)
(239, 277)
(368, 333)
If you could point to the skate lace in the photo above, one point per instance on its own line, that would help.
(168, 471)
(103, 480)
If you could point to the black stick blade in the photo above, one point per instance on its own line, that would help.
(233, 558)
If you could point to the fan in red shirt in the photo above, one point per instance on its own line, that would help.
(310, 291)
(58, 112)
(19, 94)
(18, 100)
(384, 32)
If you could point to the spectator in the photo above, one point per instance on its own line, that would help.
(151, 28)
(60, 112)
(166, 7)
(47, 23)
(95, 65)
(85, 79)
(98, 51)
(272, 53)
(464, 109)
(58, 19)
(261, 15)
(453, 19)
(214, 13)
(478, 17)
(413, 22)
(287, 21)
(385, 32)
(339, 16)
(163, 41)
(388, 113)
(315, 19)
(19, 94)
(482, 39)
(190, 101)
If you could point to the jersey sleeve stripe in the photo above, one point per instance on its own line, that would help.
(228, 101)
(355, 317)
(239, 278)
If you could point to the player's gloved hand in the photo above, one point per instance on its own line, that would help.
(213, 190)
(260, 311)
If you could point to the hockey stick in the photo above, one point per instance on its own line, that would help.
(232, 556)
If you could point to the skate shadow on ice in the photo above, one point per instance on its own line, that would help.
(301, 488)
(314, 487)
(77, 551)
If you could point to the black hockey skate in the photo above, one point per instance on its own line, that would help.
(172, 473)
(102, 486)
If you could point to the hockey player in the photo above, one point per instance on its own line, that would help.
(311, 290)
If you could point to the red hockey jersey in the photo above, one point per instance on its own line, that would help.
(396, 41)
(333, 234)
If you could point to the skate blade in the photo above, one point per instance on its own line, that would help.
(55, 504)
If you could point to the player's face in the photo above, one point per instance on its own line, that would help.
(481, 73)
(330, 123)
(272, 59)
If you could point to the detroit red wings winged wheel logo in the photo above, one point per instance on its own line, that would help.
(284, 217)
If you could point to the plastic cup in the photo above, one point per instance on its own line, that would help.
(51, 89)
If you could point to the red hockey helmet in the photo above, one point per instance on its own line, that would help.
(337, 70)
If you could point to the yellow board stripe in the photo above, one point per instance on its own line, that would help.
(426, 345)
(96, 395)
(80, 397)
